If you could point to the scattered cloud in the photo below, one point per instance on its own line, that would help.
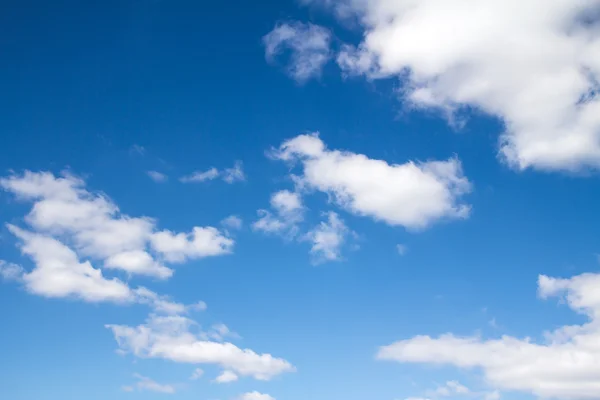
(201, 176)
(413, 195)
(148, 384)
(235, 174)
(69, 223)
(255, 396)
(177, 338)
(287, 213)
(565, 365)
(157, 177)
(308, 46)
(539, 72)
(328, 238)
(10, 271)
(233, 222)
(197, 374)
(226, 377)
(229, 175)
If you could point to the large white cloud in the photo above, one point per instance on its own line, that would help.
(65, 214)
(412, 195)
(565, 366)
(534, 64)
(176, 338)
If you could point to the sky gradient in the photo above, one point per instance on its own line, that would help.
(316, 199)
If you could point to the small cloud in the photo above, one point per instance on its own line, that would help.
(201, 176)
(226, 377)
(328, 238)
(232, 222)
(127, 388)
(234, 174)
(157, 177)
(197, 374)
(137, 149)
(229, 175)
(255, 396)
(199, 306)
(10, 271)
(145, 383)
(402, 249)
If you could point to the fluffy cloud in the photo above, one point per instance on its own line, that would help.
(201, 242)
(308, 45)
(565, 366)
(229, 175)
(69, 225)
(412, 195)
(176, 338)
(255, 396)
(226, 377)
(288, 212)
(539, 72)
(327, 239)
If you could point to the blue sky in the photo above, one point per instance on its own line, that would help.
(318, 199)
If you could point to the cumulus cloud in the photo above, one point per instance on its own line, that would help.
(178, 338)
(226, 377)
(255, 396)
(287, 212)
(566, 365)
(328, 238)
(157, 177)
(538, 72)
(412, 195)
(69, 226)
(229, 175)
(308, 46)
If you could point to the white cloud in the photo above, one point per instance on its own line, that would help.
(229, 175)
(197, 374)
(201, 242)
(59, 273)
(235, 174)
(413, 195)
(308, 45)
(328, 238)
(288, 212)
(158, 177)
(201, 176)
(175, 338)
(537, 71)
(10, 271)
(145, 383)
(566, 365)
(233, 222)
(127, 388)
(64, 212)
(220, 332)
(226, 377)
(255, 396)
